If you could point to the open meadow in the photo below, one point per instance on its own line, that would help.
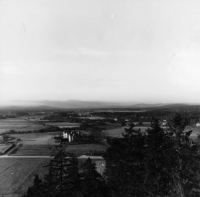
(36, 138)
(117, 132)
(19, 124)
(92, 117)
(50, 150)
(17, 174)
(80, 149)
(62, 124)
(194, 134)
(110, 126)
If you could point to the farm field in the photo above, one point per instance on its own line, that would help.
(32, 127)
(67, 126)
(45, 150)
(63, 124)
(118, 131)
(31, 117)
(80, 149)
(19, 124)
(195, 131)
(111, 126)
(114, 132)
(92, 117)
(34, 150)
(37, 138)
(2, 147)
(194, 134)
(16, 174)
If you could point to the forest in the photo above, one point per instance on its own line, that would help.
(158, 163)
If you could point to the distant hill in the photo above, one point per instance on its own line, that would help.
(77, 104)
(145, 105)
(25, 108)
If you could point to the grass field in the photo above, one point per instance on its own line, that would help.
(62, 124)
(84, 148)
(49, 150)
(34, 150)
(19, 124)
(16, 174)
(37, 138)
(194, 134)
(92, 117)
(110, 126)
(114, 132)
(2, 147)
(118, 131)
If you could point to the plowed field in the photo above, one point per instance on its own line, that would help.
(16, 174)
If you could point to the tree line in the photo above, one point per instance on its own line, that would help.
(157, 163)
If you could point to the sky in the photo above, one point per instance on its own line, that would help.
(141, 51)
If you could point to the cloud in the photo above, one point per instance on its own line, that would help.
(84, 51)
(184, 69)
(94, 53)
(11, 68)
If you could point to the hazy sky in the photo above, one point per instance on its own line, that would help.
(105, 50)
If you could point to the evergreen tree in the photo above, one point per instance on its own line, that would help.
(37, 189)
(63, 176)
(160, 161)
(124, 164)
(92, 183)
(62, 179)
(187, 174)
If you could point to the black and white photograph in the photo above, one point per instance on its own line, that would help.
(99, 98)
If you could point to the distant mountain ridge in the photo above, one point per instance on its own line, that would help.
(78, 104)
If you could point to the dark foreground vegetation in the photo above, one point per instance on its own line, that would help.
(159, 163)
